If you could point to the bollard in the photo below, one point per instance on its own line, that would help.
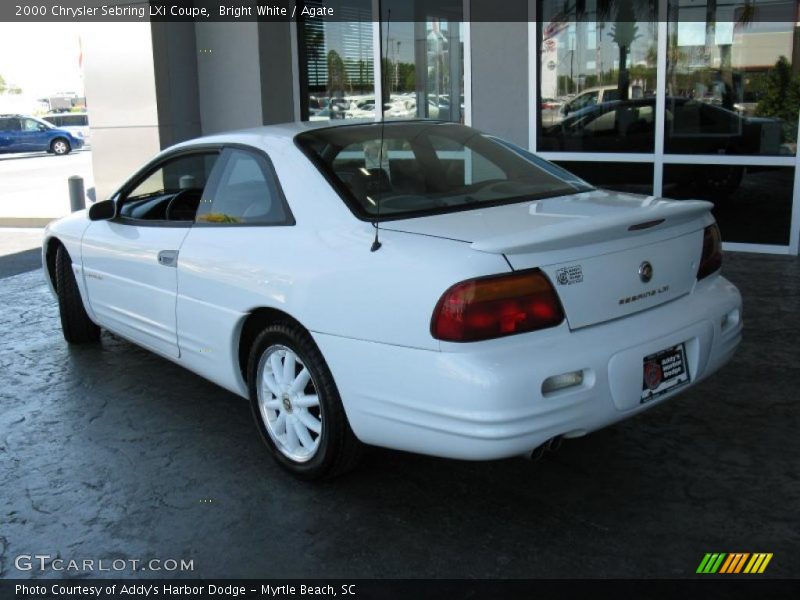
(77, 200)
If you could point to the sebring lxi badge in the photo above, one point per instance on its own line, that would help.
(645, 272)
(645, 275)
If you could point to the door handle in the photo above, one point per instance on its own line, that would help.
(168, 258)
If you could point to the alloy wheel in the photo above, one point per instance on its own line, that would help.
(289, 403)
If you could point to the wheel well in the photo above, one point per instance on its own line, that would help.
(255, 323)
(50, 258)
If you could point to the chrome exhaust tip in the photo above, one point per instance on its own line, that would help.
(539, 452)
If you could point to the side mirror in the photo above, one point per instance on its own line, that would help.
(103, 211)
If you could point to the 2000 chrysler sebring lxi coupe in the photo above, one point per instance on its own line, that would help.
(507, 303)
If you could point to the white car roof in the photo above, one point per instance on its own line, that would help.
(257, 136)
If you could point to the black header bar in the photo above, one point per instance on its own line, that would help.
(741, 11)
(706, 587)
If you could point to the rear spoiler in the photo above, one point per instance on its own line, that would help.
(592, 230)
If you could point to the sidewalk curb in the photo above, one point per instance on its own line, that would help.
(26, 222)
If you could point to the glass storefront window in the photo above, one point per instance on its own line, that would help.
(752, 203)
(423, 69)
(337, 63)
(422, 60)
(630, 177)
(732, 85)
(597, 75)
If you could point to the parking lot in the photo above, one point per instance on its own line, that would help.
(111, 452)
(33, 186)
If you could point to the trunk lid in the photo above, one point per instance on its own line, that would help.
(607, 254)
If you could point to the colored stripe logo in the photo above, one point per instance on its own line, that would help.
(734, 563)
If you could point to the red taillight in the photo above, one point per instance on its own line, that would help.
(496, 306)
(711, 261)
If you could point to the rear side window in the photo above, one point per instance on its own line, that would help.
(9, 124)
(245, 192)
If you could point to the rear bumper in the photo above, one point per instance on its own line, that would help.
(484, 400)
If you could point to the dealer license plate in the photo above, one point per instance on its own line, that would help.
(663, 372)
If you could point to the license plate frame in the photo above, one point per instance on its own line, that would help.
(663, 372)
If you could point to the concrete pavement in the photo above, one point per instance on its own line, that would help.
(112, 452)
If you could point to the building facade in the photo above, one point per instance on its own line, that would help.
(674, 98)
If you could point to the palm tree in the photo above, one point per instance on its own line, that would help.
(624, 32)
(338, 80)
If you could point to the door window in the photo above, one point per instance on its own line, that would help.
(31, 125)
(245, 193)
(171, 191)
(582, 101)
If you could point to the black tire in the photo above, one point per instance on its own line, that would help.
(78, 328)
(338, 450)
(60, 147)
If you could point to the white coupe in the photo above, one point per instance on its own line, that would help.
(418, 285)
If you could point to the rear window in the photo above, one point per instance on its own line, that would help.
(420, 168)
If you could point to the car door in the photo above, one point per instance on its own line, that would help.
(33, 135)
(232, 260)
(130, 262)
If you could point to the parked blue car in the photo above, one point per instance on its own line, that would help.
(20, 133)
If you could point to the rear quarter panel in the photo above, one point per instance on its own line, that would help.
(330, 281)
(319, 271)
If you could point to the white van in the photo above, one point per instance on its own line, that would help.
(598, 95)
(76, 123)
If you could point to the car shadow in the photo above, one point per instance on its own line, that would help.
(20, 262)
(23, 155)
